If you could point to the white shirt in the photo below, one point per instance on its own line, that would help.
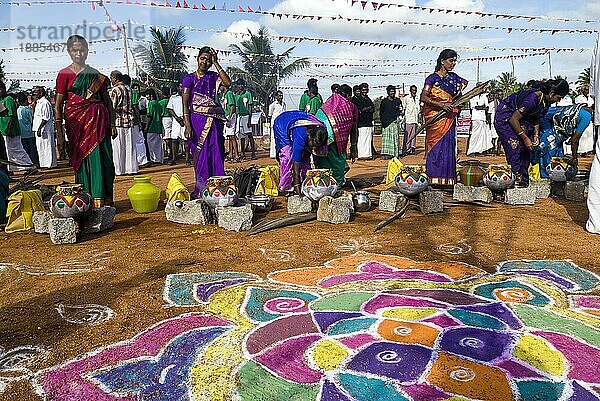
(2, 107)
(582, 99)
(492, 109)
(176, 104)
(43, 111)
(481, 100)
(412, 108)
(275, 109)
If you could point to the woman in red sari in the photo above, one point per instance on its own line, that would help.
(82, 99)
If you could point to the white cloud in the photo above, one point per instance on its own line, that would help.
(235, 33)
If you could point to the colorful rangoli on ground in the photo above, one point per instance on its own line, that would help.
(363, 328)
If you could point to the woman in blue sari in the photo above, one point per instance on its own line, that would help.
(441, 88)
(560, 125)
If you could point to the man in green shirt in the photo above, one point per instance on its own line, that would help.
(243, 105)
(230, 131)
(9, 128)
(154, 128)
(311, 100)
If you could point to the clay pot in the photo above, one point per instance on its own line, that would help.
(319, 183)
(561, 169)
(70, 201)
(144, 195)
(220, 191)
(499, 177)
(411, 180)
(471, 173)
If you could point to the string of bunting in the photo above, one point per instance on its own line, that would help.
(247, 9)
(379, 5)
(469, 59)
(78, 25)
(394, 74)
(280, 15)
(286, 38)
(424, 47)
(375, 5)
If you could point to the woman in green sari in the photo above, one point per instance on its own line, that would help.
(82, 99)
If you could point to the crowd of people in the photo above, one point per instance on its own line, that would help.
(113, 128)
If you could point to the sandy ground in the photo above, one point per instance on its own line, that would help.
(125, 268)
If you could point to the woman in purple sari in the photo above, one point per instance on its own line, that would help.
(440, 90)
(204, 117)
(517, 123)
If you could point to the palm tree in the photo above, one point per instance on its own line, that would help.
(493, 85)
(508, 83)
(162, 59)
(583, 79)
(263, 69)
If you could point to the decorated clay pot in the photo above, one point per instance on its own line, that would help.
(144, 195)
(471, 173)
(319, 183)
(561, 169)
(70, 201)
(499, 177)
(411, 180)
(220, 191)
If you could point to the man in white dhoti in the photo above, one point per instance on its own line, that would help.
(154, 128)
(593, 201)
(243, 106)
(138, 135)
(586, 142)
(140, 104)
(177, 132)
(231, 125)
(43, 128)
(412, 111)
(124, 151)
(480, 140)
(275, 109)
(10, 130)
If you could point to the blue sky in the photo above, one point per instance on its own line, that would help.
(108, 56)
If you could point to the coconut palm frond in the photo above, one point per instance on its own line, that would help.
(294, 67)
(163, 59)
(263, 68)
